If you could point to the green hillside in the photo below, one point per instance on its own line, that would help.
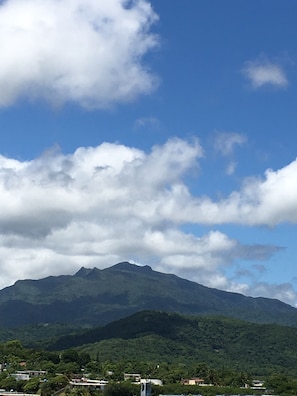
(167, 337)
(94, 297)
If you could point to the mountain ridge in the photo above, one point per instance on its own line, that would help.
(93, 297)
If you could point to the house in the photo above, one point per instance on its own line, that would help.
(153, 381)
(26, 375)
(193, 381)
(258, 384)
(132, 377)
(21, 376)
(5, 393)
(88, 383)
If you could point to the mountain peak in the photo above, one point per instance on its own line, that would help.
(85, 272)
(122, 266)
(126, 266)
(95, 297)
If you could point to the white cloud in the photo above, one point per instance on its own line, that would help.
(263, 72)
(147, 122)
(269, 201)
(225, 142)
(231, 168)
(283, 292)
(101, 205)
(84, 51)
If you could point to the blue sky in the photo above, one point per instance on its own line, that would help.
(162, 132)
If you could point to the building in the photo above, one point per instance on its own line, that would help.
(88, 383)
(132, 377)
(145, 388)
(26, 375)
(193, 381)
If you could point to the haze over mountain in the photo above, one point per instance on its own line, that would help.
(95, 297)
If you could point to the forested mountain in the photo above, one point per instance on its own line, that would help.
(168, 346)
(95, 297)
(168, 337)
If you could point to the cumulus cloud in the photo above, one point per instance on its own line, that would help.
(83, 51)
(101, 205)
(205, 259)
(265, 201)
(263, 72)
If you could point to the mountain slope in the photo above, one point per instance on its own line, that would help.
(96, 297)
(161, 336)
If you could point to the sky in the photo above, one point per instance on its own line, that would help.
(158, 132)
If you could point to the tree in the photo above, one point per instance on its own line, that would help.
(32, 385)
(54, 384)
(70, 356)
(84, 358)
(8, 383)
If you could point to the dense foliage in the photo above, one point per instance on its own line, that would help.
(259, 349)
(60, 367)
(167, 337)
(162, 337)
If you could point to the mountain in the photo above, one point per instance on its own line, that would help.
(94, 297)
(220, 342)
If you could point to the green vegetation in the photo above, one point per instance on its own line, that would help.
(38, 334)
(94, 297)
(167, 337)
(219, 342)
(224, 352)
(218, 346)
(60, 367)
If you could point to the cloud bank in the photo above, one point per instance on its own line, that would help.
(101, 205)
(83, 51)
